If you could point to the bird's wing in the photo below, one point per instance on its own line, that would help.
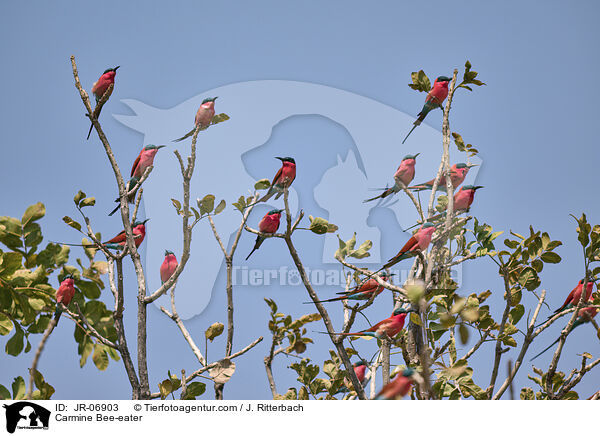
(119, 238)
(135, 164)
(378, 325)
(277, 177)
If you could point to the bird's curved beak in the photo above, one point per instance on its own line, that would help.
(475, 188)
(146, 220)
(280, 158)
(470, 165)
(415, 156)
(160, 146)
(116, 68)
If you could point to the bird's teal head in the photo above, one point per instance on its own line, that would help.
(385, 274)
(411, 156)
(140, 223)
(407, 372)
(153, 147)
(68, 276)
(461, 165)
(402, 310)
(287, 159)
(132, 182)
(275, 211)
(209, 100)
(361, 362)
(114, 70)
(471, 188)
(167, 252)
(443, 79)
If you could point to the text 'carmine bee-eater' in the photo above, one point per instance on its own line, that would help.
(144, 160)
(434, 99)
(64, 295)
(168, 266)
(362, 291)
(390, 326)
(404, 174)
(101, 86)
(418, 242)
(282, 180)
(584, 315)
(458, 172)
(130, 198)
(204, 117)
(268, 224)
(397, 388)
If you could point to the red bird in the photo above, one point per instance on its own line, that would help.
(204, 117)
(434, 99)
(282, 180)
(64, 295)
(118, 242)
(458, 172)
(404, 174)
(268, 224)
(390, 326)
(418, 242)
(575, 295)
(168, 266)
(397, 388)
(362, 291)
(144, 160)
(101, 86)
(360, 369)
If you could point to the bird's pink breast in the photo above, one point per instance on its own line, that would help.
(269, 223)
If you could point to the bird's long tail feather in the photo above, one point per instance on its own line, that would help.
(545, 349)
(187, 135)
(114, 210)
(90, 131)
(384, 194)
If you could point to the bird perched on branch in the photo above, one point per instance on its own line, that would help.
(282, 180)
(64, 295)
(268, 224)
(575, 295)
(168, 266)
(398, 387)
(101, 86)
(434, 99)
(390, 326)
(361, 292)
(144, 160)
(458, 172)
(204, 117)
(130, 198)
(463, 200)
(417, 243)
(404, 174)
(585, 315)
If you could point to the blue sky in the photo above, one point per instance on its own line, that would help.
(534, 124)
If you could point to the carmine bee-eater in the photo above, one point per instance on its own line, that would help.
(575, 295)
(268, 224)
(101, 86)
(397, 388)
(361, 292)
(434, 99)
(360, 369)
(119, 241)
(463, 200)
(404, 174)
(144, 160)
(418, 242)
(168, 266)
(204, 117)
(64, 295)
(390, 326)
(458, 172)
(584, 315)
(282, 180)
(130, 198)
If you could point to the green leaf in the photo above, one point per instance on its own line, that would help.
(194, 389)
(463, 333)
(550, 257)
(14, 345)
(262, 184)
(176, 204)
(78, 197)
(91, 201)
(71, 222)
(415, 319)
(165, 388)
(516, 313)
(33, 213)
(240, 204)
(414, 291)
(213, 331)
(420, 81)
(100, 358)
(18, 388)
(6, 325)
(220, 207)
(4, 393)
(527, 394)
(89, 289)
(10, 263)
(318, 225)
(207, 204)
